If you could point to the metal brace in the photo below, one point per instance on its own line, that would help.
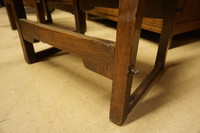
(133, 70)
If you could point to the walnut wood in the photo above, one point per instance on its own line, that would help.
(188, 20)
(90, 4)
(128, 33)
(10, 15)
(154, 25)
(17, 9)
(43, 8)
(168, 26)
(157, 5)
(108, 13)
(96, 52)
(186, 27)
(79, 17)
(40, 12)
(143, 88)
(190, 10)
(48, 18)
(166, 35)
(70, 6)
(112, 60)
(51, 5)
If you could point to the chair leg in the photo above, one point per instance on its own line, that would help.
(10, 15)
(128, 33)
(40, 11)
(79, 17)
(47, 12)
(17, 9)
(169, 22)
(30, 55)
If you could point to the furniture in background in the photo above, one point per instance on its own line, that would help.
(114, 60)
(188, 19)
(29, 4)
(44, 8)
(66, 5)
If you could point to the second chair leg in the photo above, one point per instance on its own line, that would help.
(79, 17)
(10, 15)
(18, 11)
(128, 33)
(30, 55)
(169, 22)
(46, 11)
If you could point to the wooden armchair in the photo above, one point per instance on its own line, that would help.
(114, 60)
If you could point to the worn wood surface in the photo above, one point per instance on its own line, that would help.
(167, 31)
(128, 33)
(164, 43)
(113, 60)
(98, 53)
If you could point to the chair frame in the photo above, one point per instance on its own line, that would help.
(114, 60)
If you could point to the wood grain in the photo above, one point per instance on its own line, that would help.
(93, 51)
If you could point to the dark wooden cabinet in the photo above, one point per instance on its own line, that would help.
(188, 18)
